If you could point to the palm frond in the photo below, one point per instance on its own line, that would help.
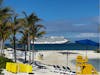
(40, 34)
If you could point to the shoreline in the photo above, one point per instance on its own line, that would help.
(91, 55)
(55, 57)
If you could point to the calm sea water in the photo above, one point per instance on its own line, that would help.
(94, 62)
(68, 46)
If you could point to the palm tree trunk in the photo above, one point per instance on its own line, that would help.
(27, 46)
(30, 54)
(0, 48)
(3, 46)
(25, 52)
(33, 51)
(14, 39)
(1, 43)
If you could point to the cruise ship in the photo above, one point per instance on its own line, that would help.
(51, 40)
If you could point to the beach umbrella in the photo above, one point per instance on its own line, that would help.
(87, 42)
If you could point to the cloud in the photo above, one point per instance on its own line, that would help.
(80, 25)
(87, 35)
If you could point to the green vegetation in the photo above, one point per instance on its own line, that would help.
(11, 24)
(3, 61)
(31, 30)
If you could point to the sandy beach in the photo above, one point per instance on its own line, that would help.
(57, 58)
(54, 58)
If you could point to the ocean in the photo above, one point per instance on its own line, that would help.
(66, 46)
(94, 62)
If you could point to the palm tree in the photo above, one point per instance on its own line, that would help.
(4, 32)
(5, 14)
(27, 25)
(16, 25)
(24, 41)
(36, 32)
(33, 29)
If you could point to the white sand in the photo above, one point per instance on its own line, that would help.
(55, 58)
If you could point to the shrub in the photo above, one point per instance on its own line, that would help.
(3, 61)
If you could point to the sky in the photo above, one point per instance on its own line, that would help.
(69, 18)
